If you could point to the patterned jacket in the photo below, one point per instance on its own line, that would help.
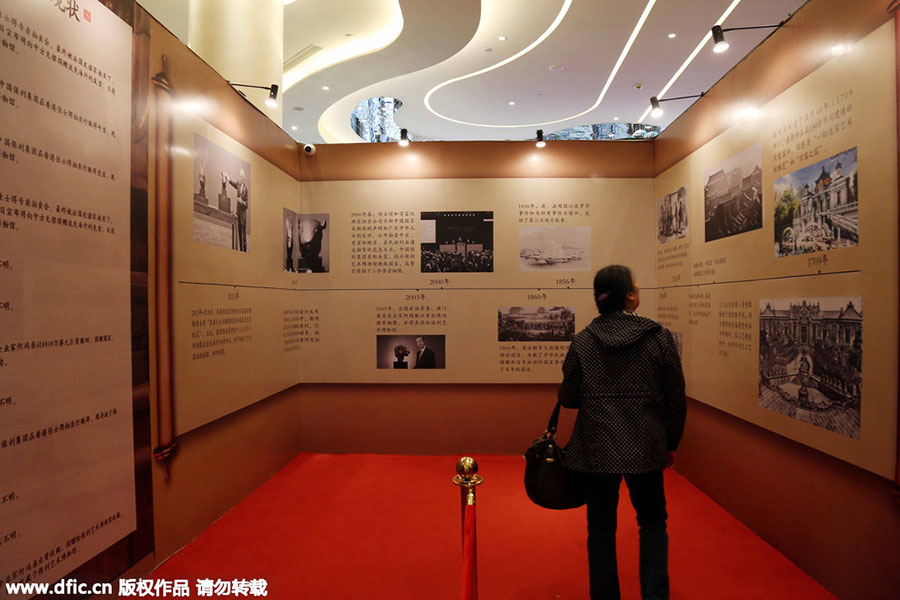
(624, 375)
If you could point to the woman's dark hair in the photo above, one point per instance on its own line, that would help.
(611, 284)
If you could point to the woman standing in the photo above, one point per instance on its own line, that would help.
(624, 375)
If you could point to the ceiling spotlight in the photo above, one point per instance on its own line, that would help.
(615, 118)
(326, 88)
(293, 128)
(673, 36)
(719, 43)
(657, 111)
(272, 100)
(512, 103)
(718, 34)
(502, 38)
(540, 139)
(404, 138)
(557, 68)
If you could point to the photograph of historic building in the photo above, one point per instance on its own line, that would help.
(732, 196)
(535, 324)
(810, 360)
(817, 207)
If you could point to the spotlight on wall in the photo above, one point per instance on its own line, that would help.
(404, 138)
(271, 101)
(657, 111)
(718, 34)
(540, 139)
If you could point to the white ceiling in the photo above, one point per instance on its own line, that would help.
(441, 40)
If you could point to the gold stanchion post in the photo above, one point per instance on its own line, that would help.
(467, 479)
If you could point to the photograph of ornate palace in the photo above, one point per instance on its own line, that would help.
(817, 207)
(535, 324)
(672, 216)
(732, 196)
(810, 360)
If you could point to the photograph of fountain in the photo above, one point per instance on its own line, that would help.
(810, 360)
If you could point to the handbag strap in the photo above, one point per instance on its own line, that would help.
(554, 419)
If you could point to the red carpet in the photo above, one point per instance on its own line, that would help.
(370, 527)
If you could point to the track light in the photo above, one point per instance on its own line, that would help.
(404, 138)
(718, 34)
(540, 139)
(271, 101)
(719, 43)
(657, 111)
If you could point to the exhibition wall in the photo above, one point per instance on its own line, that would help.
(288, 295)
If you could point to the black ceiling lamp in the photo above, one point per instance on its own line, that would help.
(656, 111)
(404, 138)
(271, 101)
(718, 34)
(540, 139)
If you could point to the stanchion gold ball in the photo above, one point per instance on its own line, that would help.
(466, 466)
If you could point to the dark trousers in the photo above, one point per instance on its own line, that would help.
(649, 501)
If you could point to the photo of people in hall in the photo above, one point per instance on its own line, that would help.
(457, 242)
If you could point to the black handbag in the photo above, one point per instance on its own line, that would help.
(548, 482)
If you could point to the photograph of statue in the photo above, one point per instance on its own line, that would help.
(672, 216)
(417, 351)
(313, 243)
(810, 360)
(732, 195)
(535, 324)
(290, 240)
(221, 216)
(554, 248)
(817, 207)
(457, 242)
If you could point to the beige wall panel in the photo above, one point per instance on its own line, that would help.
(818, 121)
(353, 306)
(228, 304)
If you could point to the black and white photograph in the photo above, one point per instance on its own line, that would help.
(221, 197)
(732, 195)
(817, 207)
(312, 243)
(535, 324)
(418, 351)
(457, 242)
(810, 360)
(672, 216)
(554, 248)
(290, 240)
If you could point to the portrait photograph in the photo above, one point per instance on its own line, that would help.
(417, 351)
(672, 216)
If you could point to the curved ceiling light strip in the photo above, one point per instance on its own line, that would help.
(553, 26)
(690, 58)
(344, 52)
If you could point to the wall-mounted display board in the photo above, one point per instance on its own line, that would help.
(393, 281)
(67, 488)
(777, 260)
